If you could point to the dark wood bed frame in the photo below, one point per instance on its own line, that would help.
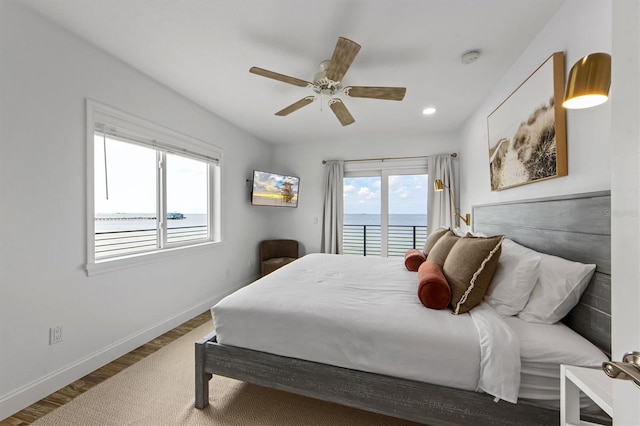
(576, 227)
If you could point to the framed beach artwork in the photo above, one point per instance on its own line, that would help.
(527, 132)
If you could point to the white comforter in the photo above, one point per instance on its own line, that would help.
(363, 313)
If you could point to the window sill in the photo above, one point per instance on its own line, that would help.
(110, 265)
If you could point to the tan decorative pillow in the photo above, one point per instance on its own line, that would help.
(432, 239)
(441, 248)
(469, 268)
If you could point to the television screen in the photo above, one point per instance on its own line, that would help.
(273, 189)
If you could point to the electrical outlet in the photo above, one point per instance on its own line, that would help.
(55, 334)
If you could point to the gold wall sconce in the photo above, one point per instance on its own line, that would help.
(589, 82)
(438, 186)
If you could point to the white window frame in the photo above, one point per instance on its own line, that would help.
(137, 130)
(385, 168)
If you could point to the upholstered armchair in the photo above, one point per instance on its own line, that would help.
(276, 253)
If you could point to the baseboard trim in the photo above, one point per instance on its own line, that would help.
(30, 393)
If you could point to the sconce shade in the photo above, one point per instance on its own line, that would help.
(589, 81)
(438, 185)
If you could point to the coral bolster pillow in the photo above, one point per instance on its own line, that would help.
(433, 289)
(413, 258)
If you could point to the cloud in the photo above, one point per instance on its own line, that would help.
(349, 189)
(366, 193)
(402, 192)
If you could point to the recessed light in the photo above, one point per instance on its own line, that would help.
(429, 111)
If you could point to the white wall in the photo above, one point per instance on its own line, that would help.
(45, 76)
(305, 160)
(578, 28)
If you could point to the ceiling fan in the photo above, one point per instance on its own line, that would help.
(328, 82)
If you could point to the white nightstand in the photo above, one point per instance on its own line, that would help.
(593, 382)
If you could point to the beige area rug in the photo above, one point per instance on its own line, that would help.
(159, 390)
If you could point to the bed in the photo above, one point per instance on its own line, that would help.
(575, 227)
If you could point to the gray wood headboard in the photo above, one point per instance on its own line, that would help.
(576, 227)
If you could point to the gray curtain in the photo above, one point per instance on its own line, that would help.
(333, 213)
(439, 210)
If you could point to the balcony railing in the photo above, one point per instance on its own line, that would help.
(357, 239)
(115, 243)
(367, 239)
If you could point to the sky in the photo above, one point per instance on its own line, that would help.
(131, 178)
(271, 183)
(407, 195)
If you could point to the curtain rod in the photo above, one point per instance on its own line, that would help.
(454, 155)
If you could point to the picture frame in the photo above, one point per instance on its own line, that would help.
(527, 132)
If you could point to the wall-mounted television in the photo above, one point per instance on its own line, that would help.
(274, 189)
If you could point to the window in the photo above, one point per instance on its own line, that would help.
(385, 207)
(362, 224)
(407, 212)
(152, 191)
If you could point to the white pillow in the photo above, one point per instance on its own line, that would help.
(514, 279)
(560, 284)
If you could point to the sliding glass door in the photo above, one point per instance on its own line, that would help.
(407, 209)
(362, 219)
(385, 211)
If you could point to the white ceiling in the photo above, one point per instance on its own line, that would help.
(203, 49)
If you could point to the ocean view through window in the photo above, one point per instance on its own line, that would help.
(152, 190)
(128, 216)
(384, 215)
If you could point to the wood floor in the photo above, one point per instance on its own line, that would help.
(66, 394)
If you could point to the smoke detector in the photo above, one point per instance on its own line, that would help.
(470, 56)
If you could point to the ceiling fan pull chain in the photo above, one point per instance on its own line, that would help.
(106, 175)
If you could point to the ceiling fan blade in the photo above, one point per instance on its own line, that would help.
(386, 93)
(296, 106)
(343, 56)
(341, 111)
(279, 77)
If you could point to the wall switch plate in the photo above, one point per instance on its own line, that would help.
(55, 334)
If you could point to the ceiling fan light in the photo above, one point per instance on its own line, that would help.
(429, 111)
(589, 82)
